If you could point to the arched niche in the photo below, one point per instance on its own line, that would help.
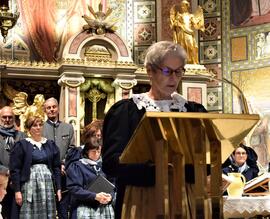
(75, 47)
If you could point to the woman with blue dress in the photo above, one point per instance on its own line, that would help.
(86, 204)
(35, 173)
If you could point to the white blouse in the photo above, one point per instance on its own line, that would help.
(177, 103)
(37, 143)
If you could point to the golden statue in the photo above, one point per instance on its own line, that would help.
(183, 24)
(101, 23)
(24, 110)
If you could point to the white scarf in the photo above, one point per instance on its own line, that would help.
(92, 163)
(242, 168)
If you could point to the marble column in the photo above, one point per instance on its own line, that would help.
(69, 103)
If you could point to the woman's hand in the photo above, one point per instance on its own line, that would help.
(103, 198)
(59, 195)
(18, 198)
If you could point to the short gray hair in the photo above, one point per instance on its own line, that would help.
(50, 99)
(157, 52)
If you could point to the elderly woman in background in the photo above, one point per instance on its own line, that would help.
(241, 163)
(164, 64)
(93, 133)
(35, 170)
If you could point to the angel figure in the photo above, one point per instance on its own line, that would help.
(101, 23)
(183, 24)
(24, 110)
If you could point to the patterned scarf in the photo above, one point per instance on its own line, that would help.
(9, 136)
(94, 165)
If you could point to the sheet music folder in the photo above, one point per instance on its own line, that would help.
(101, 184)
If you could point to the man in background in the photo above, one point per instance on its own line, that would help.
(8, 136)
(63, 135)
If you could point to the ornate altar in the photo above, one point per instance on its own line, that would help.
(95, 71)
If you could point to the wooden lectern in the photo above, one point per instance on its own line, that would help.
(172, 141)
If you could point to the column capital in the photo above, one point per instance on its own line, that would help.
(71, 79)
(126, 82)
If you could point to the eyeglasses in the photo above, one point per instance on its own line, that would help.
(7, 117)
(167, 71)
(240, 153)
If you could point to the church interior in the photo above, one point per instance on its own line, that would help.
(58, 49)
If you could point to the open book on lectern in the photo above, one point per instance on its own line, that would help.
(258, 184)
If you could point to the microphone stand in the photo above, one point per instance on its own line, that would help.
(241, 96)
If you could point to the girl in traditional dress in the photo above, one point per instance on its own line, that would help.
(84, 203)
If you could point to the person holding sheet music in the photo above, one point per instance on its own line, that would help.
(164, 62)
(85, 203)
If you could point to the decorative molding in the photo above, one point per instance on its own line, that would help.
(126, 82)
(76, 44)
(71, 79)
(130, 25)
(212, 29)
(211, 7)
(193, 70)
(144, 24)
(210, 52)
(144, 34)
(123, 86)
(144, 11)
(29, 64)
(239, 48)
(214, 99)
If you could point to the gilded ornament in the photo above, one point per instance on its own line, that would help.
(101, 22)
(90, 89)
(94, 95)
(7, 20)
(24, 110)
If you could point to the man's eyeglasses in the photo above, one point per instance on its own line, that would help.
(168, 71)
(7, 117)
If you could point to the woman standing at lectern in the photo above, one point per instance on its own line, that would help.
(164, 63)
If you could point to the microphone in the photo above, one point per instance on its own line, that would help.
(211, 76)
